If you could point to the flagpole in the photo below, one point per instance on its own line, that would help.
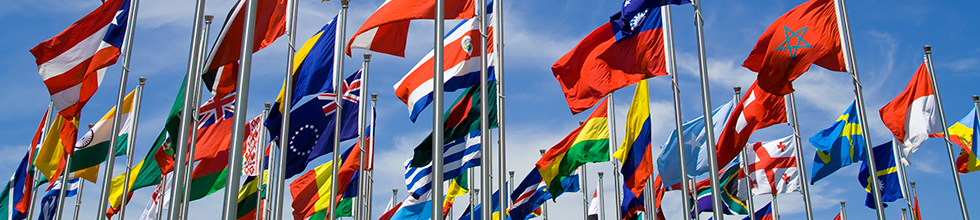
(437, 115)
(582, 183)
(241, 105)
(949, 145)
(775, 207)
(843, 212)
(804, 178)
(44, 130)
(675, 86)
(285, 107)
(693, 194)
(62, 191)
(498, 33)
(260, 164)
(706, 104)
(78, 198)
(650, 201)
(750, 204)
(362, 129)
(904, 213)
(182, 209)
(338, 74)
(130, 144)
(510, 188)
(193, 74)
(585, 191)
(161, 195)
(845, 35)
(902, 176)
(613, 146)
(370, 184)
(915, 210)
(471, 175)
(485, 142)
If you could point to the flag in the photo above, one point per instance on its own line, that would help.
(50, 158)
(460, 121)
(600, 64)
(634, 154)
(914, 114)
(732, 202)
(695, 146)
(494, 208)
(963, 133)
(887, 174)
(758, 109)
(589, 143)
(270, 24)
(14, 200)
(248, 196)
(457, 187)
(772, 167)
(633, 205)
(461, 65)
(313, 64)
(386, 30)
(415, 207)
(839, 214)
(765, 213)
(915, 207)
(594, 206)
(634, 13)
(92, 149)
(160, 195)
(803, 36)
(704, 199)
(49, 203)
(392, 208)
(658, 198)
(250, 151)
(531, 193)
(311, 191)
(838, 146)
(213, 142)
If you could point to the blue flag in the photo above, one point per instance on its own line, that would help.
(838, 146)
(634, 14)
(532, 193)
(891, 189)
(49, 203)
(668, 163)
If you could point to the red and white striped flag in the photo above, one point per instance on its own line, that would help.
(386, 31)
(913, 116)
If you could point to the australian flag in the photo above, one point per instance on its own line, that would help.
(311, 124)
(626, 22)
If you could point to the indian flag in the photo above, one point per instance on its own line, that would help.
(91, 150)
(589, 143)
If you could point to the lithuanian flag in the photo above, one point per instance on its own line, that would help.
(589, 143)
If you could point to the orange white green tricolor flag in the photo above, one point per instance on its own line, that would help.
(589, 143)
(963, 133)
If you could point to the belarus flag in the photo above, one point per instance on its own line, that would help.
(913, 116)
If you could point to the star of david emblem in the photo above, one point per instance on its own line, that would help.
(800, 43)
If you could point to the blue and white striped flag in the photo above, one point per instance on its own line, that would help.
(460, 154)
(49, 204)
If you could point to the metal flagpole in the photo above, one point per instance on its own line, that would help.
(130, 145)
(804, 178)
(949, 145)
(651, 204)
(241, 105)
(905, 214)
(602, 199)
(775, 207)
(510, 188)
(613, 146)
(486, 159)
(693, 194)
(260, 164)
(161, 195)
(127, 49)
(745, 169)
(902, 176)
(843, 212)
(675, 86)
(845, 35)
(362, 129)
(471, 175)
(499, 69)
(338, 75)
(370, 172)
(585, 191)
(193, 67)
(78, 198)
(63, 190)
(44, 130)
(437, 115)
(706, 104)
(182, 209)
(544, 207)
(286, 105)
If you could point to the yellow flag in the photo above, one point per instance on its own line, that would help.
(51, 151)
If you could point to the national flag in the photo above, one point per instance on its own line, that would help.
(772, 167)
(914, 114)
(765, 213)
(461, 65)
(634, 154)
(250, 151)
(386, 30)
(270, 24)
(839, 214)
(594, 206)
(887, 174)
(49, 203)
(160, 195)
(803, 36)
(392, 208)
(634, 13)
(704, 199)
(460, 120)
(917, 213)
(91, 150)
(756, 110)
(213, 142)
(494, 208)
(840, 145)
(604, 62)
(695, 146)
(589, 143)
(311, 191)
(14, 200)
(732, 201)
(313, 64)
(457, 187)
(248, 196)
(633, 205)
(414, 207)
(963, 133)
(50, 158)
(658, 198)
(528, 197)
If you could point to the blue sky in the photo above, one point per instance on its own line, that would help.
(888, 38)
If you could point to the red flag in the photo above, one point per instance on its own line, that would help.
(757, 109)
(803, 36)
(386, 31)
(838, 216)
(270, 24)
(913, 116)
(915, 207)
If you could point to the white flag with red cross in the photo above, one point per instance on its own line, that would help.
(772, 166)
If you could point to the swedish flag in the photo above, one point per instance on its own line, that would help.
(838, 146)
(887, 175)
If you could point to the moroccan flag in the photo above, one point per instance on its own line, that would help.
(91, 150)
(634, 154)
(758, 109)
(270, 24)
(461, 119)
(589, 143)
(386, 30)
(913, 116)
(963, 133)
(803, 36)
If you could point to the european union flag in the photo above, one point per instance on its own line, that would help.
(891, 188)
(838, 146)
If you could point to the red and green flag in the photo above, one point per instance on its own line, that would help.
(589, 143)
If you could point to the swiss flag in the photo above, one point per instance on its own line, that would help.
(758, 109)
(913, 116)
(803, 36)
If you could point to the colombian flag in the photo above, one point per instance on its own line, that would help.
(589, 143)
(963, 133)
(634, 154)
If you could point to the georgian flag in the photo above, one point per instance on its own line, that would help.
(772, 166)
(913, 116)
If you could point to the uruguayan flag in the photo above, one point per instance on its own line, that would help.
(459, 155)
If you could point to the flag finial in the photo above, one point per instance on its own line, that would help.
(208, 18)
(928, 49)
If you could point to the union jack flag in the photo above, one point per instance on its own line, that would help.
(351, 92)
(213, 108)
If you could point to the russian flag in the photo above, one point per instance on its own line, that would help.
(461, 66)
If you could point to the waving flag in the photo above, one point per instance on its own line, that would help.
(528, 197)
(803, 36)
(49, 203)
(765, 213)
(758, 109)
(270, 24)
(16, 194)
(695, 146)
(772, 167)
(462, 68)
(589, 143)
(461, 120)
(914, 115)
(838, 146)
(887, 174)
(594, 206)
(963, 133)
(386, 30)
(92, 149)
(634, 154)
(313, 64)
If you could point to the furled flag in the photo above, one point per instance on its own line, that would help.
(839, 214)
(270, 24)
(916, 212)
(963, 133)
(14, 200)
(589, 143)
(594, 206)
(758, 109)
(838, 146)
(49, 203)
(462, 68)
(73, 63)
(695, 146)
(634, 154)
(887, 174)
(765, 213)
(772, 167)
(914, 114)
(803, 36)
(528, 196)
(386, 30)
(462, 119)
(91, 150)
(158, 196)
(604, 61)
